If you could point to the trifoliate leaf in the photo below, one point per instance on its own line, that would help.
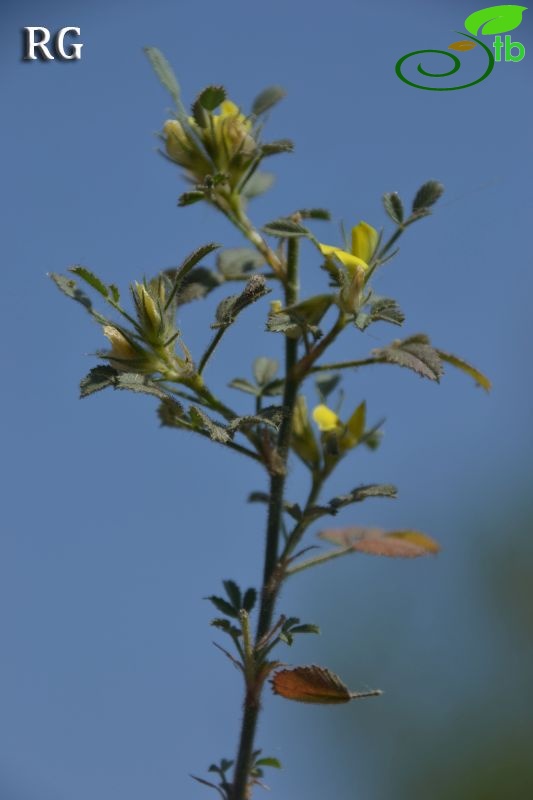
(415, 353)
(223, 606)
(267, 99)
(427, 195)
(314, 685)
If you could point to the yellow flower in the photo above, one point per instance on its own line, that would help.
(364, 243)
(326, 419)
(231, 134)
(356, 264)
(339, 436)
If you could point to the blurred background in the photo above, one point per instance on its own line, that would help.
(113, 529)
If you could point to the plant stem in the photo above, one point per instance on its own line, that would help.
(211, 349)
(270, 588)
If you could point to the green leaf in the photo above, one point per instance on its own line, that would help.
(315, 213)
(271, 416)
(265, 370)
(189, 198)
(274, 388)
(267, 99)
(427, 195)
(92, 280)
(414, 353)
(268, 762)
(326, 383)
(279, 146)
(200, 420)
(196, 285)
(464, 366)
(293, 509)
(285, 229)
(70, 288)
(244, 386)
(230, 307)
(249, 599)
(380, 309)
(495, 19)
(301, 317)
(257, 184)
(211, 97)
(237, 261)
(186, 267)
(100, 377)
(393, 207)
(133, 382)
(223, 606)
(361, 493)
(164, 72)
(226, 626)
(308, 628)
(234, 594)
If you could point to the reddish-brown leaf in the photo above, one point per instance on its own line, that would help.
(314, 685)
(377, 542)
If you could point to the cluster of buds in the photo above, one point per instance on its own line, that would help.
(150, 349)
(212, 142)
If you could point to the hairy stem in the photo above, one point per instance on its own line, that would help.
(270, 585)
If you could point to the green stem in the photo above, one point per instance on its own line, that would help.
(270, 586)
(313, 562)
(364, 362)
(211, 349)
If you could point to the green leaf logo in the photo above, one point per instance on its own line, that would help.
(495, 19)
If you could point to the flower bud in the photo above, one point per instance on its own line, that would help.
(177, 143)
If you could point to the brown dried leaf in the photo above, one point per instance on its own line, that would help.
(314, 685)
(377, 542)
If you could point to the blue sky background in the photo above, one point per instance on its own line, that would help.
(113, 530)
